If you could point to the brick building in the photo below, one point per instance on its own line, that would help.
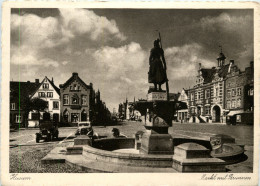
(219, 92)
(77, 100)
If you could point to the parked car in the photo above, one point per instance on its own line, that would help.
(48, 131)
(84, 128)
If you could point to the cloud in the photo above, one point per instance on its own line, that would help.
(81, 21)
(120, 61)
(182, 61)
(25, 56)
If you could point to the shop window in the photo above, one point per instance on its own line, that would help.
(65, 99)
(74, 117)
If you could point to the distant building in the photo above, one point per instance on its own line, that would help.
(183, 112)
(20, 92)
(77, 100)
(219, 92)
(47, 91)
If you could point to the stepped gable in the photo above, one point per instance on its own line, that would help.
(223, 71)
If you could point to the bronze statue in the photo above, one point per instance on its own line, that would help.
(157, 69)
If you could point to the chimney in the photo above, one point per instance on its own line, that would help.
(52, 80)
(91, 84)
(37, 81)
(75, 74)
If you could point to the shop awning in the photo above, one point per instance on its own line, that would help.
(231, 113)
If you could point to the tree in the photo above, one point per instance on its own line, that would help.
(36, 104)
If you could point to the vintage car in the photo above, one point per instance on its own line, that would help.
(48, 131)
(84, 128)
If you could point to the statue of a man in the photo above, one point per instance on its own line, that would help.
(157, 68)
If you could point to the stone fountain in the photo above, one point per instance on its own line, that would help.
(154, 151)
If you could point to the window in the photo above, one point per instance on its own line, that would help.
(75, 99)
(45, 85)
(207, 110)
(192, 110)
(75, 87)
(251, 92)
(233, 92)
(191, 96)
(65, 99)
(228, 104)
(49, 94)
(238, 103)
(238, 91)
(228, 93)
(198, 95)
(12, 106)
(41, 94)
(55, 105)
(233, 103)
(84, 100)
(18, 119)
(207, 93)
(216, 92)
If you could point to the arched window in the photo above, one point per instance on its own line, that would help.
(66, 116)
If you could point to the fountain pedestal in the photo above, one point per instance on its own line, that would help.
(158, 118)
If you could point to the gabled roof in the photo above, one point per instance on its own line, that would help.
(72, 78)
(52, 84)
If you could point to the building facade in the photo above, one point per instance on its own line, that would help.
(219, 92)
(20, 93)
(182, 113)
(49, 92)
(77, 100)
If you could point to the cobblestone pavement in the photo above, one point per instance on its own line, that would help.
(22, 142)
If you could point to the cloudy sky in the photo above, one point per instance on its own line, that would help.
(110, 48)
